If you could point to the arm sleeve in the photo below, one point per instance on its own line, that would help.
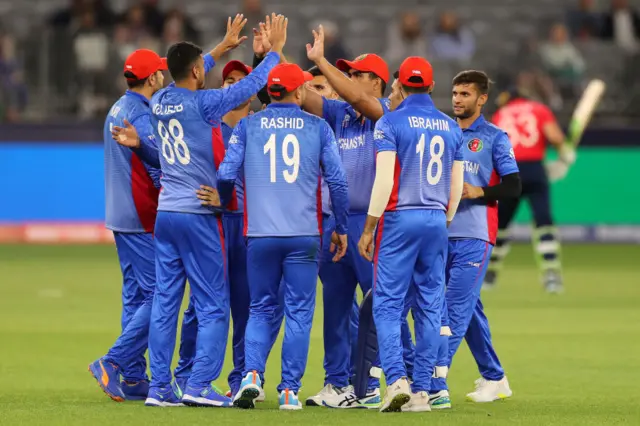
(233, 161)
(459, 154)
(386, 149)
(510, 186)
(330, 110)
(215, 103)
(263, 95)
(209, 63)
(544, 116)
(457, 183)
(383, 184)
(148, 150)
(504, 159)
(335, 177)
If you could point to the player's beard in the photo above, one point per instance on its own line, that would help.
(468, 112)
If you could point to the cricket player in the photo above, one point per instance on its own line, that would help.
(353, 121)
(417, 189)
(132, 188)
(189, 237)
(530, 125)
(283, 152)
(233, 225)
(490, 175)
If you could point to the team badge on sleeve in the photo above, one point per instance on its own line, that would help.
(475, 145)
(378, 134)
(233, 140)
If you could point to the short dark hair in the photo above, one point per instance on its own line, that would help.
(315, 71)
(280, 90)
(133, 82)
(180, 59)
(479, 78)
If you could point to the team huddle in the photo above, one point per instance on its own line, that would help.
(329, 180)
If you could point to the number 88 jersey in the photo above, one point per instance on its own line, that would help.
(191, 149)
(426, 142)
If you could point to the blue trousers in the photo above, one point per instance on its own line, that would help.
(410, 250)
(239, 298)
(273, 262)
(341, 311)
(136, 254)
(464, 314)
(189, 246)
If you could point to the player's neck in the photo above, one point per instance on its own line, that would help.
(147, 92)
(233, 117)
(187, 84)
(465, 123)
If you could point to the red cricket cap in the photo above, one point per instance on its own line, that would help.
(290, 76)
(369, 62)
(415, 72)
(235, 66)
(144, 62)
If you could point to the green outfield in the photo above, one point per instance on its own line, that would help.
(571, 359)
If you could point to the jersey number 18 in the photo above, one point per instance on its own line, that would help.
(434, 166)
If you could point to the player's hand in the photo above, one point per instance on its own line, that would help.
(277, 35)
(567, 154)
(470, 192)
(258, 43)
(556, 170)
(126, 136)
(232, 38)
(365, 245)
(339, 242)
(316, 52)
(208, 196)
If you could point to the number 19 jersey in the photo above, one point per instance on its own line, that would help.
(426, 142)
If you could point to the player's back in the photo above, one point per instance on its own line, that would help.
(282, 172)
(131, 199)
(524, 121)
(427, 143)
(191, 148)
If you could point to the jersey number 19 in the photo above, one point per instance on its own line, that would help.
(434, 166)
(290, 176)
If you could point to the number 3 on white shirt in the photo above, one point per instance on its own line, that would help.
(291, 161)
(435, 158)
(173, 143)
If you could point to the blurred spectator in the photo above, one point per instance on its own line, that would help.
(135, 19)
(405, 39)
(562, 60)
(451, 41)
(333, 47)
(13, 90)
(622, 25)
(253, 11)
(584, 22)
(70, 16)
(154, 18)
(177, 27)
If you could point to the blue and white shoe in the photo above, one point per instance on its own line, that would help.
(289, 400)
(135, 391)
(208, 396)
(250, 389)
(169, 396)
(108, 377)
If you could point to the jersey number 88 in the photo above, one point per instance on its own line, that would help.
(173, 143)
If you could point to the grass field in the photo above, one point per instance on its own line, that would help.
(571, 359)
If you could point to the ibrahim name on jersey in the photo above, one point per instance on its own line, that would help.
(427, 143)
(488, 155)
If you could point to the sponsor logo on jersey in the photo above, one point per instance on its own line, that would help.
(475, 145)
(351, 143)
(512, 154)
(345, 120)
(233, 140)
(378, 134)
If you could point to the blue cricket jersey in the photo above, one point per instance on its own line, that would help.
(427, 142)
(187, 125)
(131, 185)
(236, 204)
(357, 149)
(284, 152)
(488, 155)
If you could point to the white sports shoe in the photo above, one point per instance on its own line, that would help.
(418, 403)
(318, 399)
(348, 399)
(490, 390)
(396, 395)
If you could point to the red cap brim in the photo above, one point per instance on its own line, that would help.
(307, 76)
(344, 65)
(163, 64)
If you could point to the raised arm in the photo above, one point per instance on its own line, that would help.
(367, 105)
(232, 163)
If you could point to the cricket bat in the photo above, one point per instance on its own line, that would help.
(584, 111)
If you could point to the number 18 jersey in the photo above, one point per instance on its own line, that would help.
(427, 142)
